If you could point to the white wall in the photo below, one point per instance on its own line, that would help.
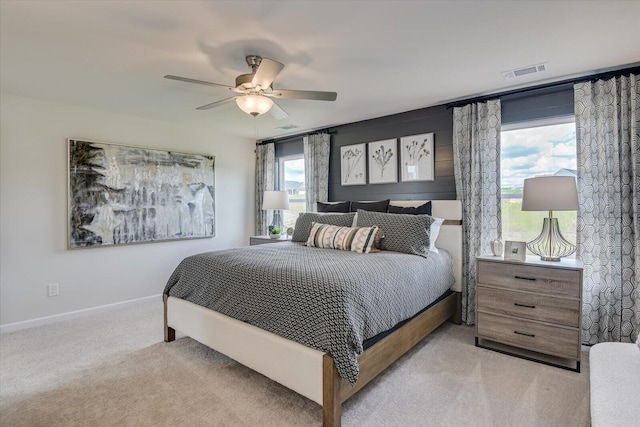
(33, 208)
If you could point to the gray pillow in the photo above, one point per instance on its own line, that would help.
(333, 207)
(418, 210)
(380, 206)
(402, 232)
(303, 223)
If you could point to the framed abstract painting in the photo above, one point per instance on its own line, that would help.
(120, 194)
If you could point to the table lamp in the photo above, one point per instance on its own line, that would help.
(276, 200)
(550, 193)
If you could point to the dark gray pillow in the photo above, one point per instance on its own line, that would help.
(402, 232)
(333, 207)
(303, 223)
(418, 210)
(380, 206)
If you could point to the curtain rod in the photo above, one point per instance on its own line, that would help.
(284, 138)
(591, 77)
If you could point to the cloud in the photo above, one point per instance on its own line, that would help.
(518, 150)
(536, 151)
(570, 137)
(294, 170)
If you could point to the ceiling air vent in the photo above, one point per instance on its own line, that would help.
(287, 127)
(524, 71)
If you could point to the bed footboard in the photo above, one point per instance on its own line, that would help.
(379, 356)
(374, 360)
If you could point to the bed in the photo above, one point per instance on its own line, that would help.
(311, 372)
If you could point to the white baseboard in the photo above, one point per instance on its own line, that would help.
(26, 324)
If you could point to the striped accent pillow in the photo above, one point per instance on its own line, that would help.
(353, 239)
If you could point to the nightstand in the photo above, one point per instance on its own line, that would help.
(261, 240)
(533, 305)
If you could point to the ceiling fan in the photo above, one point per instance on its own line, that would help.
(255, 91)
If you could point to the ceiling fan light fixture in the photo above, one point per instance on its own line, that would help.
(254, 104)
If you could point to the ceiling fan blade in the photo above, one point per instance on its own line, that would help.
(305, 94)
(202, 82)
(266, 73)
(217, 103)
(277, 112)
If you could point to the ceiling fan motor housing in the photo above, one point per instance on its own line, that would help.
(244, 81)
(253, 61)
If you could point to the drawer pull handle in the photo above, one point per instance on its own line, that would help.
(524, 305)
(522, 333)
(526, 278)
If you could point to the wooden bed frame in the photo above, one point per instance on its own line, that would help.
(199, 322)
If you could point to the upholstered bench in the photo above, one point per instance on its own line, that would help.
(615, 384)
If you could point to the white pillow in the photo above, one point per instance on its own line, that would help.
(434, 230)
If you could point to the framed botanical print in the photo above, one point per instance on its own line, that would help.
(353, 164)
(417, 157)
(383, 161)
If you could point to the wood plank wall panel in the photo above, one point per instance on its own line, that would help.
(438, 120)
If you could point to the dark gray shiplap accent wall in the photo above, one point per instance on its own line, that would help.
(438, 120)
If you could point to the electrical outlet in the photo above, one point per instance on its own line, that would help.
(52, 290)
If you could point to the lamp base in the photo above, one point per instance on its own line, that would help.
(550, 245)
(277, 221)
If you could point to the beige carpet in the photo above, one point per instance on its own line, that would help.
(113, 369)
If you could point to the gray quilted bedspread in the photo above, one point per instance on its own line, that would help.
(326, 299)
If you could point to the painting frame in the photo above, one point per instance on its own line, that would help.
(385, 158)
(121, 194)
(353, 159)
(515, 251)
(417, 157)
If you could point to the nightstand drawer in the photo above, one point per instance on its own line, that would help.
(556, 341)
(544, 308)
(510, 276)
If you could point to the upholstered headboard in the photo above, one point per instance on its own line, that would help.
(450, 237)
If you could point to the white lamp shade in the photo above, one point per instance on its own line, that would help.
(277, 200)
(254, 104)
(550, 193)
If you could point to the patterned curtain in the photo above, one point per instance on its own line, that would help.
(265, 181)
(316, 169)
(476, 161)
(608, 146)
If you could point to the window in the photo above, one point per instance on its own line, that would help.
(292, 181)
(532, 149)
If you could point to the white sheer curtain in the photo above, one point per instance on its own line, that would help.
(265, 181)
(476, 161)
(608, 154)
(316, 169)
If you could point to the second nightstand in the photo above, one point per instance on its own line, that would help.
(533, 305)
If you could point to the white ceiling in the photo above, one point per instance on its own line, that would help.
(382, 57)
